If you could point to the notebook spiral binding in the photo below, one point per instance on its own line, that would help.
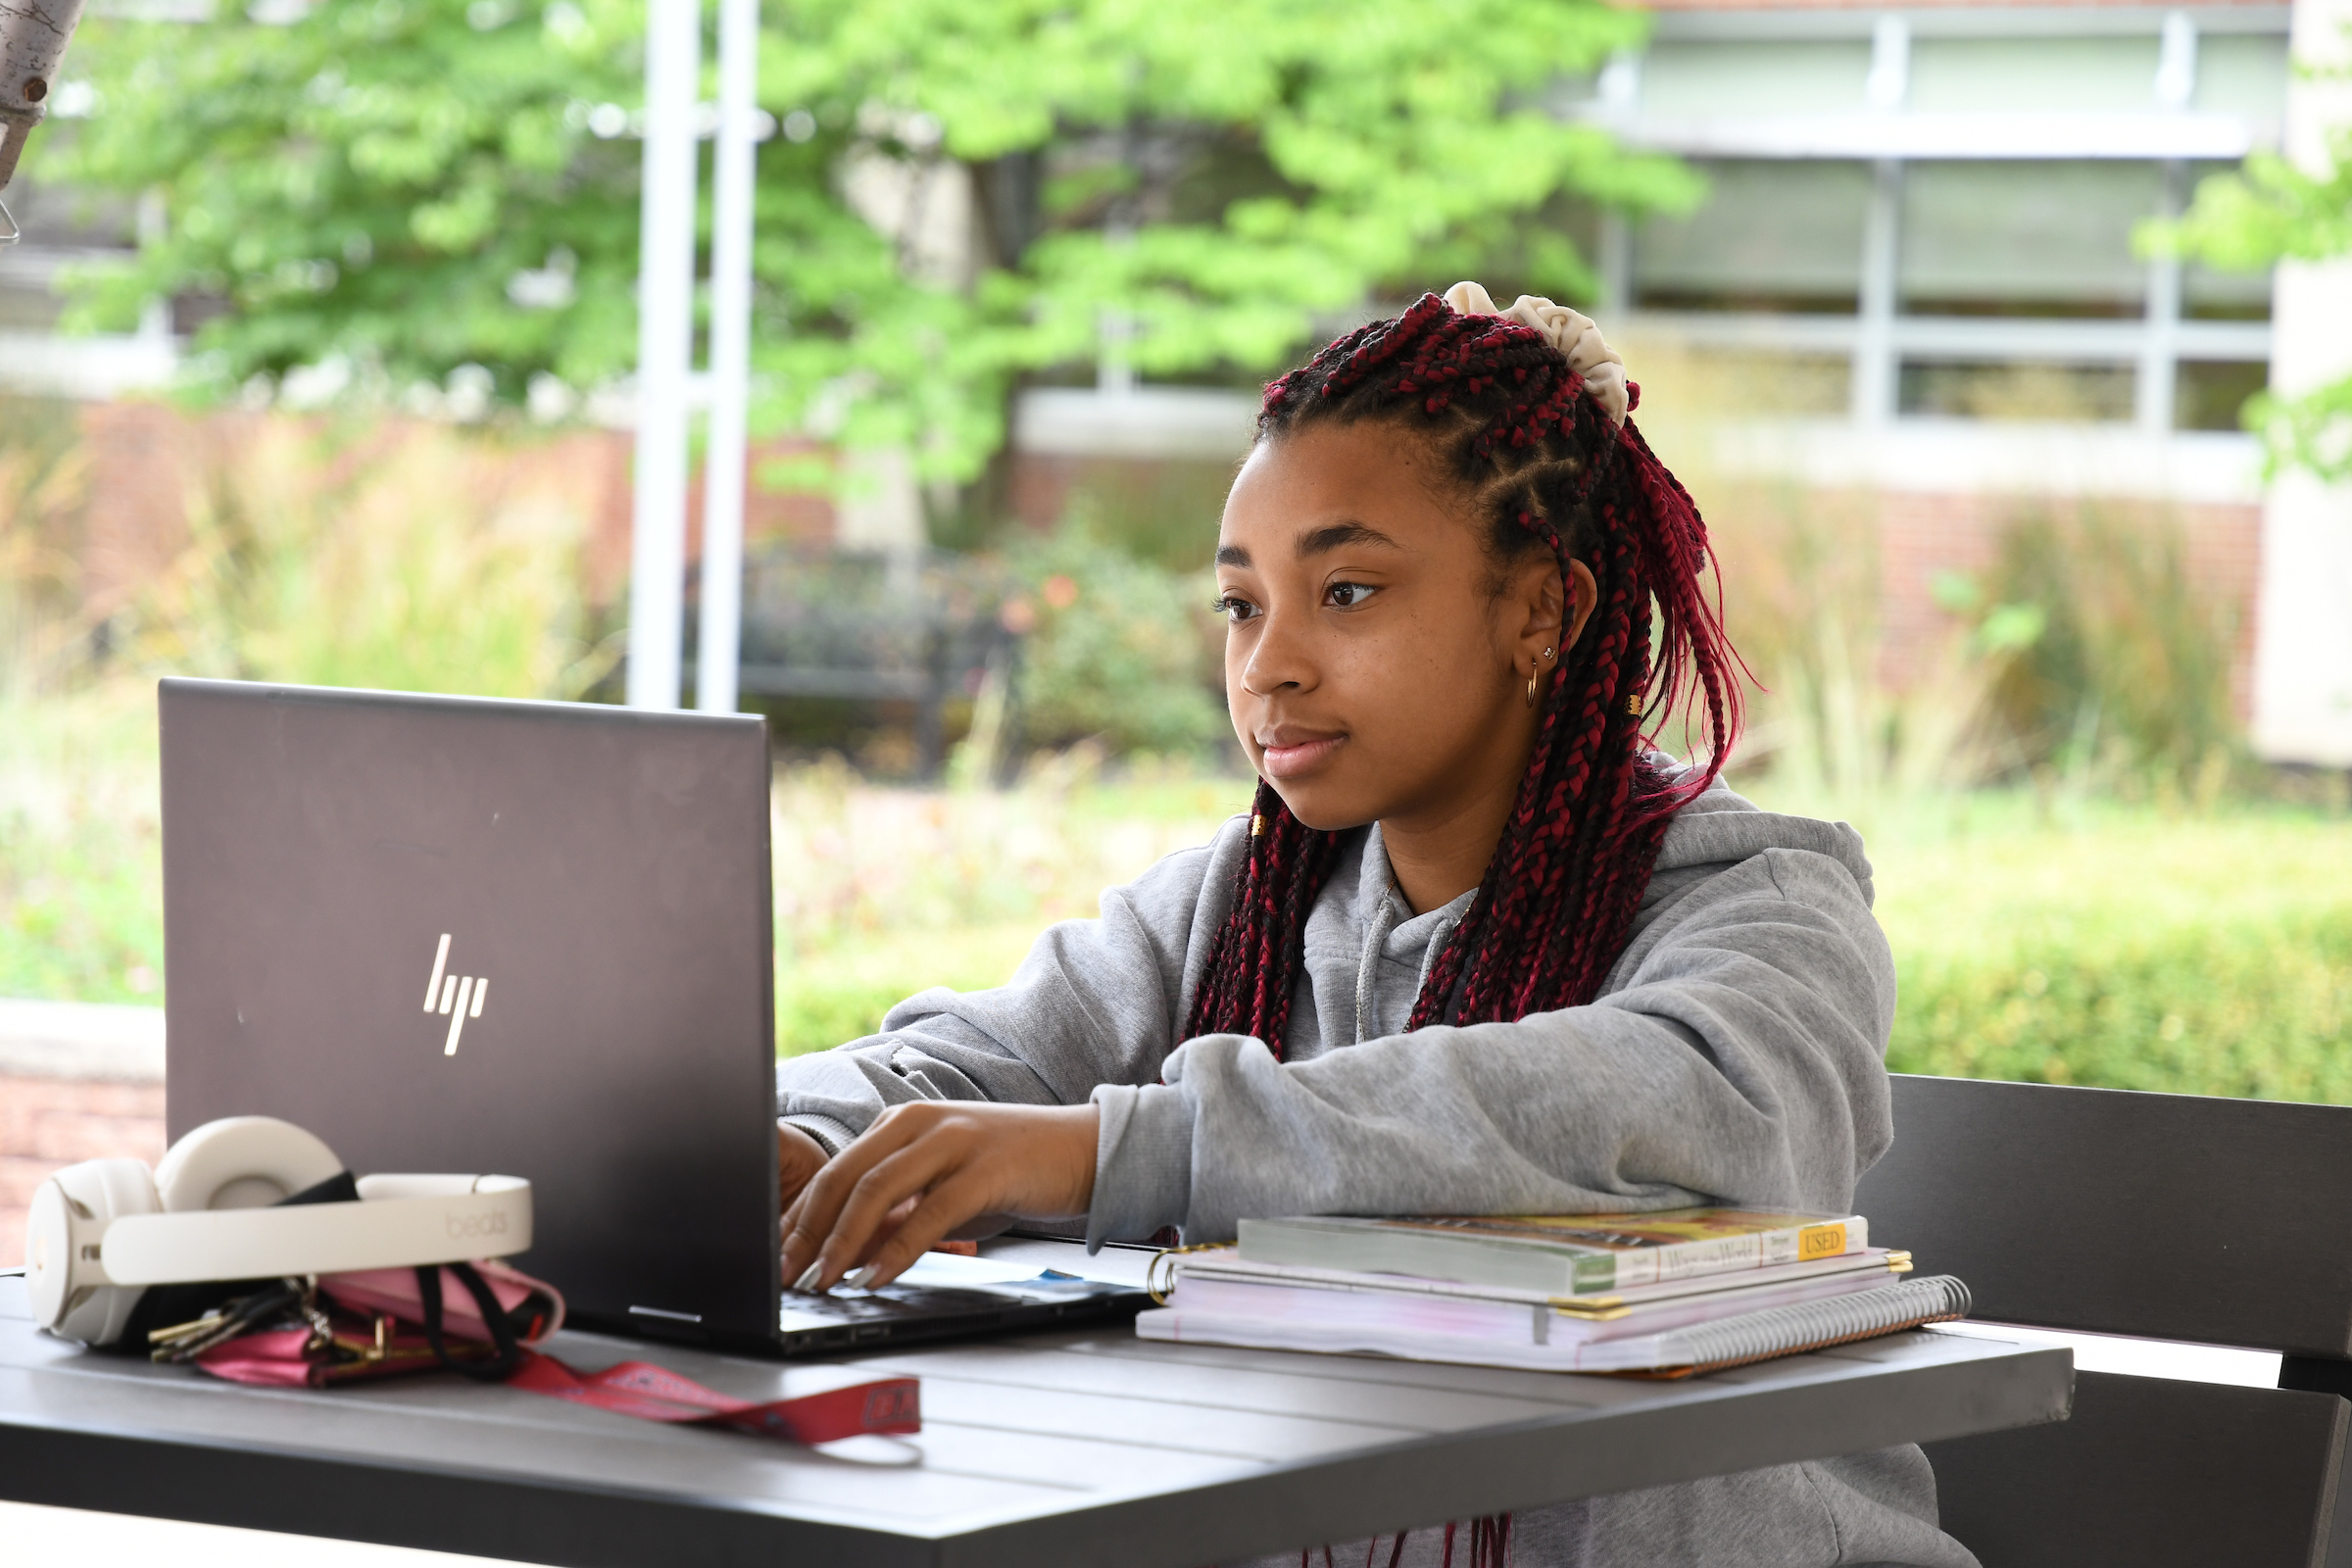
(1818, 1325)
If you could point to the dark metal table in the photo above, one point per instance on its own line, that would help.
(1068, 1447)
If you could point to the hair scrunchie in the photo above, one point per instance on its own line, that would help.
(1571, 332)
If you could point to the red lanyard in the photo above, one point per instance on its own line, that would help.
(889, 1407)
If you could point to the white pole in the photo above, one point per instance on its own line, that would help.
(673, 47)
(720, 639)
(2303, 639)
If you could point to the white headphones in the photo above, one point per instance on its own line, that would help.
(101, 1232)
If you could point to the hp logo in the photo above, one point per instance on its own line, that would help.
(455, 997)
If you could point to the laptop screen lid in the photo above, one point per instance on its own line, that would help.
(458, 934)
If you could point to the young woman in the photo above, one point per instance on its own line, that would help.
(1475, 949)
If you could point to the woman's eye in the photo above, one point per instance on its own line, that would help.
(1235, 611)
(1347, 595)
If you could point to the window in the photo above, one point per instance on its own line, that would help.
(2069, 394)
(2017, 238)
(2206, 394)
(1771, 236)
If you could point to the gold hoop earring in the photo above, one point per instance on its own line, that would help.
(1535, 671)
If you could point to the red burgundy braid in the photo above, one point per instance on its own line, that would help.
(1549, 469)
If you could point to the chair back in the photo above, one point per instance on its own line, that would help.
(2160, 1216)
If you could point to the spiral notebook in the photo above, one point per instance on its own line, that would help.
(1530, 1337)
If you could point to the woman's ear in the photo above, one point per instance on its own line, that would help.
(1553, 619)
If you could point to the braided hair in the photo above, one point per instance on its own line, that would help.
(1549, 469)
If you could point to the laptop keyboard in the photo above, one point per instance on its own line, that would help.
(899, 1301)
(900, 1311)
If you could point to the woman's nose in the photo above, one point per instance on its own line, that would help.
(1279, 658)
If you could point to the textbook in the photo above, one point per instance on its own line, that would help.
(1403, 1305)
(1541, 1339)
(1559, 1254)
(1858, 1270)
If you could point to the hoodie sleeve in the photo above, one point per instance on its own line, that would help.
(1096, 1002)
(1738, 1057)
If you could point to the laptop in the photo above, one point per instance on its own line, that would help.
(450, 933)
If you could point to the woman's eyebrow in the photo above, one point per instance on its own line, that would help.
(1320, 541)
(1232, 556)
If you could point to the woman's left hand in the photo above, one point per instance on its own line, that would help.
(925, 1168)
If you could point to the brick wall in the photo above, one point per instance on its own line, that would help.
(48, 1122)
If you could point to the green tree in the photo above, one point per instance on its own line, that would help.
(2268, 212)
(411, 187)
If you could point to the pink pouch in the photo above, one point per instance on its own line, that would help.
(366, 1324)
(393, 1293)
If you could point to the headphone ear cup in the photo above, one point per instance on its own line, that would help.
(63, 1231)
(242, 1163)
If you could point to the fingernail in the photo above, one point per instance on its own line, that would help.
(864, 1278)
(808, 1280)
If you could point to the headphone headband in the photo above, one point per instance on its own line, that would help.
(492, 1218)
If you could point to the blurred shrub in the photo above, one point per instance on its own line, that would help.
(417, 558)
(2128, 670)
(1803, 608)
(1119, 649)
(2087, 651)
(44, 489)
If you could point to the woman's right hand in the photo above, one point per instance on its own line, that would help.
(798, 1158)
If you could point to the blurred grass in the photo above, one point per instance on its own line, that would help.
(81, 913)
(403, 557)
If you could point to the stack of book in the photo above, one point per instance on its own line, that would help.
(1679, 1291)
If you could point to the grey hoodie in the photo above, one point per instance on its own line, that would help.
(1734, 1054)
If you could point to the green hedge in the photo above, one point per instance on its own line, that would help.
(2262, 1012)
(2254, 1008)
(2128, 948)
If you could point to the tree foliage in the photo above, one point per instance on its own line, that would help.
(408, 189)
(2269, 212)
(369, 182)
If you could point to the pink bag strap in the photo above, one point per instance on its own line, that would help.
(509, 1355)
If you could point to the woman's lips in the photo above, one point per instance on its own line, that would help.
(1301, 756)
